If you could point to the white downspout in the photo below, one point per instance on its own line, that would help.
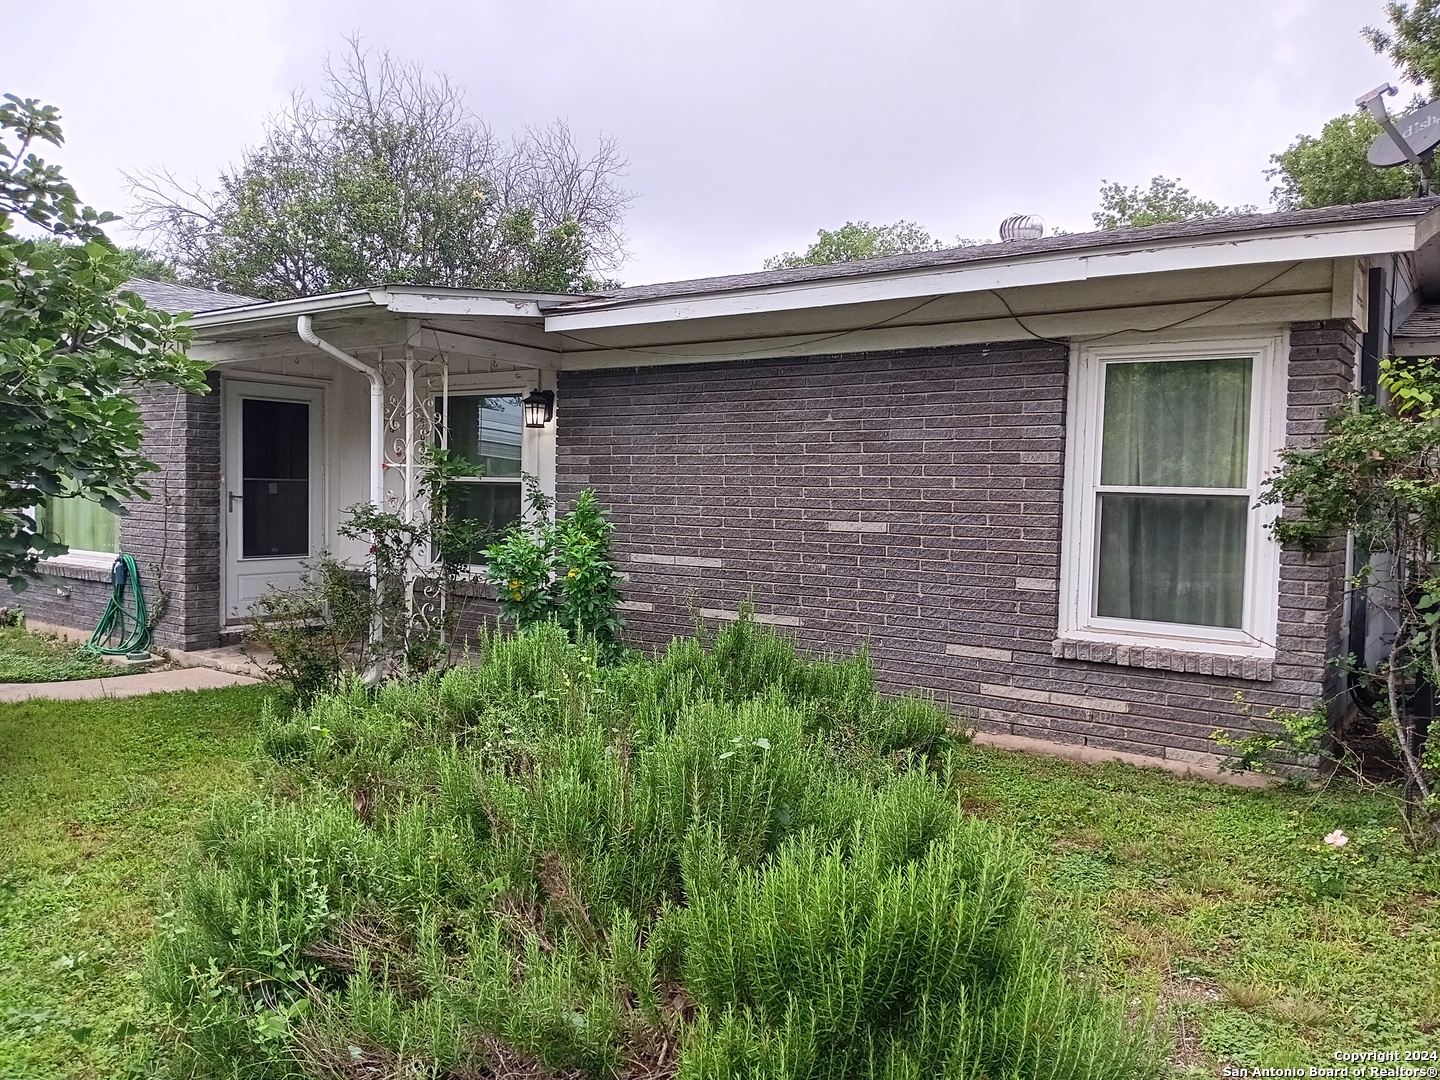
(307, 334)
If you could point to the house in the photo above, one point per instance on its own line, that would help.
(1024, 475)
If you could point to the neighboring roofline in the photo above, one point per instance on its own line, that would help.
(400, 299)
(1418, 334)
(1343, 232)
(175, 299)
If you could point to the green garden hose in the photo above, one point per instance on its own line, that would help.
(112, 623)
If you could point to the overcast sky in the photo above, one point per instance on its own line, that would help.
(747, 125)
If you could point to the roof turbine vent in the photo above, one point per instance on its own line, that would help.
(1022, 227)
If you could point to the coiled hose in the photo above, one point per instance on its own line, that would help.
(112, 625)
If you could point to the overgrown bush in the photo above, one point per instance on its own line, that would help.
(734, 860)
(1376, 476)
(560, 571)
(317, 631)
(395, 612)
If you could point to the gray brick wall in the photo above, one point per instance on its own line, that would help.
(74, 599)
(911, 502)
(1312, 585)
(174, 536)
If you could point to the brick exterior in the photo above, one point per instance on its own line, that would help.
(174, 536)
(1312, 586)
(74, 598)
(911, 502)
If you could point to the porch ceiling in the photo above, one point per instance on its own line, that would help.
(469, 342)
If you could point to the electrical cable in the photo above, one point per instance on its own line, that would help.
(766, 351)
(771, 350)
(1139, 329)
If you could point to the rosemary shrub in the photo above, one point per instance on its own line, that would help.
(730, 860)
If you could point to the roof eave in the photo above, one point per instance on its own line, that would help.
(1262, 245)
(270, 310)
(416, 300)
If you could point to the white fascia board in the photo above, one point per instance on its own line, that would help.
(1047, 269)
(283, 309)
(414, 302)
(402, 301)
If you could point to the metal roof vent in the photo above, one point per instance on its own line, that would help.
(1022, 227)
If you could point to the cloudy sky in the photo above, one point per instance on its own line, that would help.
(747, 125)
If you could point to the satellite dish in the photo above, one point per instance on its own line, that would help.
(1420, 130)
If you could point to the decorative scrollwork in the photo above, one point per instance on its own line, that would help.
(411, 426)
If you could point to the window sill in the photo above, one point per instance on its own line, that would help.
(79, 566)
(1190, 661)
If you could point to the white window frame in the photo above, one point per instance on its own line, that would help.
(1079, 570)
(533, 442)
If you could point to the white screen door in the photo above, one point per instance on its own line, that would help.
(274, 489)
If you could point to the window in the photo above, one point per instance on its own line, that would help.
(486, 429)
(79, 523)
(275, 478)
(1164, 541)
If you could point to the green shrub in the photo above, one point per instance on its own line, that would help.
(732, 860)
(559, 571)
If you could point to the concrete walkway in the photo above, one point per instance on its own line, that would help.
(232, 658)
(143, 682)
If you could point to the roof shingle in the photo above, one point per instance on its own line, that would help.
(183, 298)
(1198, 229)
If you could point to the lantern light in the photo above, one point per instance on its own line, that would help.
(539, 408)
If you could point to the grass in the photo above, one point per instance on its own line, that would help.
(1260, 946)
(27, 657)
(1263, 946)
(98, 804)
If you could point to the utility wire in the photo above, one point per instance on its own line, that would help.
(1014, 316)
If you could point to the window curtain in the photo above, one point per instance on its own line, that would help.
(1177, 424)
(1175, 558)
(81, 524)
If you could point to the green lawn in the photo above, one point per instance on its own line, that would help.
(98, 801)
(28, 657)
(1263, 946)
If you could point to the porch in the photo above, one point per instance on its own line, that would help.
(320, 412)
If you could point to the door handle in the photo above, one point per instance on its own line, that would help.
(233, 497)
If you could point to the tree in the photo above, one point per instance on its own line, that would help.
(142, 263)
(1163, 201)
(1412, 42)
(388, 177)
(861, 240)
(138, 262)
(70, 347)
(1332, 170)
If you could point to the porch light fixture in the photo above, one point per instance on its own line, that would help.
(539, 408)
